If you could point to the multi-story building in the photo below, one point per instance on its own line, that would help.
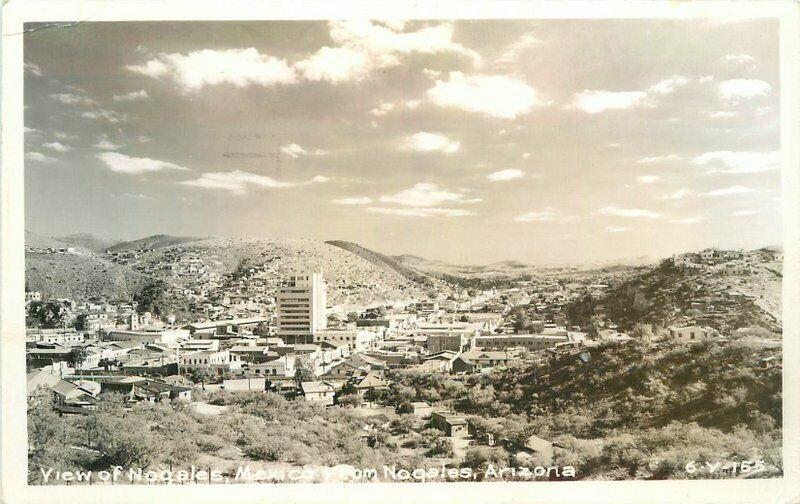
(356, 340)
(301, 308)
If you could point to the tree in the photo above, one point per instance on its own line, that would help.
(303, 371)
(76, 357)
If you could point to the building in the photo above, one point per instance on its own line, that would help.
(301, 303)
(690, 334)
(421, 409)
(530, 342)
(357, 341)
(451, 424)
(455, 341)
(320, 392)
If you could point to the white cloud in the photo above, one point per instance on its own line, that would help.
(364, 46)
(648, 179)
(734, 90)
(594, 101)
(430, 142)
(382, 109)
(513, 52)
(687, 220)
(630, 212)
(425, 195)
(133, 95)
(236, 181)
(39, 157)
(659, 159)
(545, 215)
(103, 143)
(355, 200)
(616, 229)
(108, 115)
(739, 161)
(295, 151)
(745, 213)
(421, 212)
(209, 67)
(721, 114)
(137, 196)
(31, 131)
(729, 191)
(493, 95)
(121, 163)
(670, 85)
(679, 194)
(57, 146)
(73, 99)
(64, 136)
(526, 155)
(433, 74)
(507, 174)
(144, 138)
(740, 59)
(320, 179)
(32, 68)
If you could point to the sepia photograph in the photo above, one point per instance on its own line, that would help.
(402, 249)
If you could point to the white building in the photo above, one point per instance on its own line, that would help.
(301, 308)
(357, 341)
(690, 334)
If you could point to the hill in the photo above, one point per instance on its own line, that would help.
(88, 241)
(153, 242)
(381, 260)
(79, 274)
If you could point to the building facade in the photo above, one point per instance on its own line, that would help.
(300, 304)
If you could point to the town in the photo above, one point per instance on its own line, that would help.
(250, 331)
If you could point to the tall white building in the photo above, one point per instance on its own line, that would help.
(301, 307)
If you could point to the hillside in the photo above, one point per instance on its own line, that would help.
(380, 260)
(351, 279)
(150, 243)
(88, 241)
(666, 295)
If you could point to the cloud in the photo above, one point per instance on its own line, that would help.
(497, 96)
(384, 108)
(729, 191)
(31, 131)
(320, 179)
(421, 212)
(32, 68)
(648, 179)
(659, 159)
(107, 115)
(669, 85)
(740, 59)
(679, 194)
(236, 181)
(745, 213)
(64, 136)
(73, 99)
(356, 200)
(513, 52)
(137, 196)
(144, 138)
(121, 163)
(735, 90)
(209, 67)
(630, 213)
(425, 195)
(103, 143)
(295, 151)
(687, 220)
(39, 157)
(57, 146)
(341, 64)
(739, 161)
(721, 114)
(526, 155)
(133, 95)
(545, 215)
(430, 142)
(507, 174)
(616, 229)
(594, 101)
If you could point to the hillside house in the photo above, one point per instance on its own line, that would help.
(451, 424)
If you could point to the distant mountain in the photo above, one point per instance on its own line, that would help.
(381, 260)
(88, 241)
(150, 243)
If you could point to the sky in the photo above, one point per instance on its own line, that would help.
(557, 141)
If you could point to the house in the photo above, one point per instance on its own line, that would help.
(40, 380)
(320, 392)
(477, 360)
(155, 391)
(246, 384)
(344, 370)
(421, 409)
(690, 334)
(451, 424)
(70, 394)
(369, 383)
